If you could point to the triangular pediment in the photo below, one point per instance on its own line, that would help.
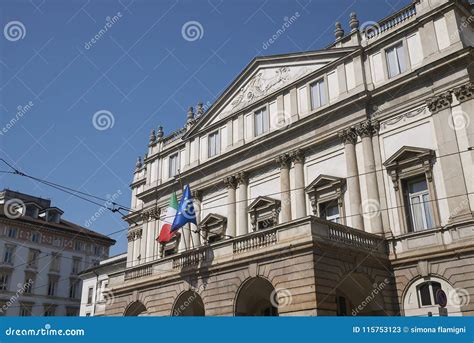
(263, 77)
(213, 219)
(408, 154)
(325, 181)
(263, 202)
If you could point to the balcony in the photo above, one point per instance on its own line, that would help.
(305, 233)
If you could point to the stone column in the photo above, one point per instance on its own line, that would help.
(284, 161)
(231, 183)
(300, 200)
(196, 234)
(242, 182)
(451, 164)
(349, 138)
(371, 206)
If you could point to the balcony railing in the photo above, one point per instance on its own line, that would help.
(300, 232)
(138, 272)
(394, 20)
(255, 241)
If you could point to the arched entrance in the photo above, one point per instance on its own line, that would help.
(135, 309)
(255, 298)
(189, 303)
(357, 296)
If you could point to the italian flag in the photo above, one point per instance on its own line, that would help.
(165, 233)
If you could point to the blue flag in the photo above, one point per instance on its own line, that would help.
(186, 213)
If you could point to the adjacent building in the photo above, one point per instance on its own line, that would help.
(330, 182)
(41, 256)
(95, 281)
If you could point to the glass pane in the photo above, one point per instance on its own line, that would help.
(425, 297)
(417, 213)
(392, 63)
(258, 123)
(417, 186)
(315, 96)
(436, 287)
(401, 58)
(265, 121)
(428, 212)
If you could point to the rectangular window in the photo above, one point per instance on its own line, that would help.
(52, 286)
(49, 311)
(76, 265)
(8, 254)
(173, 165)
(213, 144)
(318, 94)
(55, 262)
(395, 60)
(90, 293)
(25, 310)
(73, 287)
(418, 203)
(33, 255)
(4, 278)
(330, 211)
(35, 237)
(29, 281)
(12, 232)
(261, 124)
(78, 246)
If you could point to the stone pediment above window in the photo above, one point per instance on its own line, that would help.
(264, 212)
(411, 160)
(325, 183)
(213, 227)
(326, 195)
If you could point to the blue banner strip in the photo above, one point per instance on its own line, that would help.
(237, 329)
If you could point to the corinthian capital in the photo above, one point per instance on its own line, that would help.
(348, 135)
(440, 102)
(230, 182)
(242, 178)
(284, 160)
(297, 156)
(464, 92)
(367, 128)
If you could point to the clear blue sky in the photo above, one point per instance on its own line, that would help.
(141, 70)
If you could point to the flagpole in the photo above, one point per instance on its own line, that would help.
(182, 190)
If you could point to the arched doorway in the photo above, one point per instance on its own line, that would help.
(189, 303)
(135, 309)
(357, 296)
(255, 298)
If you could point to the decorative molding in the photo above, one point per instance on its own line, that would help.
(297, 156)
(134, 234)
(398, 118)
(464, 92)
(242, 178)
(440, 102)
(348, 135)
(151, 213)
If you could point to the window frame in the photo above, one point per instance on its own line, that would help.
(323, 81)
(172, 173)
(265, 124)
(217, 142)
(10, 250)
(406, 62)
(90, 295)
(5, 283)
(410, 205)
(433, 300)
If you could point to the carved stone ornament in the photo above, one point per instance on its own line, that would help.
(134, 234)
(440, 102)
(464, 92)
(230, 182)
(348, 135)
(367, 128)
(242, 178)
(284, 160)
(297, 156)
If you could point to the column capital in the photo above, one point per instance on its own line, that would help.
(348, 135)
(367, 128)
(284, 160)
(242, 178)
(297, 156)
(439, 102)
(197, 194)
(464, 92)
(230, 182)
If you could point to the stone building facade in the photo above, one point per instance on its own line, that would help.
(329, 182)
